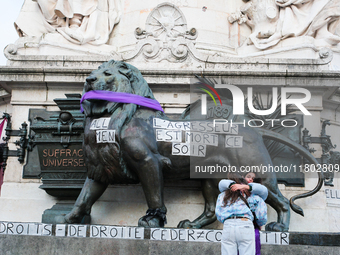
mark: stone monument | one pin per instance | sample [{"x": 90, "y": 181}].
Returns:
[{"x": 242, "y": 43}]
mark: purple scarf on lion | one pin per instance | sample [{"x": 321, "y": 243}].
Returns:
[{"x": 120, "y": 97}]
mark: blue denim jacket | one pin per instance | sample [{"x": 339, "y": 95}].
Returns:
[{"x": 239, "y": 208}]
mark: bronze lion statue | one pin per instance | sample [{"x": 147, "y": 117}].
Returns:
[{"x": 135, "y": 156}]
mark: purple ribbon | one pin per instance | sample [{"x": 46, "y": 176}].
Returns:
[
  {"x": 120, "y": 97},
  {"x": 257, "y": 242}
]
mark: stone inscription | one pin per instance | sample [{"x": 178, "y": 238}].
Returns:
[{"x": 54, "y": 156}]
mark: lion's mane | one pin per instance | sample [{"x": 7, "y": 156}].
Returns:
[
  {"x": 122, "y": 113},
  {"x": 106, "y": 163}
]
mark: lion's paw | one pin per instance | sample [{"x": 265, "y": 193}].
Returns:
[
  {"x": 184, "y": 224},
  {"x": 187, "y": 224},
  {"x": 276, "y": 226},
  {"x": 151, "y": 222},
  {"x": 72, "y": 218},
  {"x": 154, "y": 218}
]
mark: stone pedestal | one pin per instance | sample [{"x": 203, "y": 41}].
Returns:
[{"x": 169, "y": 43}]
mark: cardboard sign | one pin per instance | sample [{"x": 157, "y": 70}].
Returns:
[
  {"x": 189, "y": 235},
  {"x": 233, "y": 141},
  {"x": 189, "y": 149},
  {"x": 101, "y": 123},
  {"x": 105, "y": 136},
  {"x": 169, "y": 135},
  {"x": 201, "y": 138}
]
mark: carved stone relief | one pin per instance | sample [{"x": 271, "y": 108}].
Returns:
[
  {"x": 80, "y": 22},
  {"x": 166, "y": 36},
  {"x": 288, "y": 29},
  {"x": 274, "y": 20}
]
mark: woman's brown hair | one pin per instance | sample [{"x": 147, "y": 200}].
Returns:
[{"x": 230, "y": 197}]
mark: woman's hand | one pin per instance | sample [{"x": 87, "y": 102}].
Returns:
[{"x": 240, "y": 187}]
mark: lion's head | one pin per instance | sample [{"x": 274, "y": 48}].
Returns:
[{"x": 115, "y": 76}]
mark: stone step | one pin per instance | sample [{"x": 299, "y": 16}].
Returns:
[
  {"x": 40, "y": 238},
  {"x": 53, "y": 245}
]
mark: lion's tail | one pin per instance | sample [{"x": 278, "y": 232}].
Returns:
[{"x": 305, "y": 153}]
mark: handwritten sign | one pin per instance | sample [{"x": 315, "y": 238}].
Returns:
[
  {"x": 105, "y": 136},
  {"x": 333, "y": 197},
  {"x": 116, "y": 232},
  {"x": 169, "y": 135},
  {"x": 76, "y": 230},
  {"x": 101, "y": 123},
  {"x": 195, "y": 235},
  {"x": 120, "y": 232},
  {"x": 189, "y": 149},
  {"x": 171, "y": 125},
  {"x": 224, "y": 128},
  {"x": 233, "y": 141},
  {"x": 201, "y": 138},
  {"x": 197, "y": 135},
  {"x": 276, "y": 238},
  {"x": 196, "y": 126},
  {"x": 35, "y": 229},
  {"x": 60, "y": 230}
]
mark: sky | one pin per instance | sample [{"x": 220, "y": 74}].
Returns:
[{"x": 9, "y": 10}]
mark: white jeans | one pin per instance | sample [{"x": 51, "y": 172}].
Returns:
[{"x": 238, "y": 235}]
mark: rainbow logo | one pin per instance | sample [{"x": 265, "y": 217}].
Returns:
[
  {"x": 210, "y": 94},
  {"x": 204, "y": 81}
]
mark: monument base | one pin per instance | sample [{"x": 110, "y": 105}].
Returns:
[{"x": 15, "y": 244}]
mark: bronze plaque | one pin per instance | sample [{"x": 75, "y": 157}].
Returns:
[{"x": 55, "y": 157}]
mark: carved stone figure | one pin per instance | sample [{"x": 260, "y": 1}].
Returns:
[
  {"x": 136, "y": 156},
  {"x": 80, "y": 22},
  {"x": 274, "y": 20},
  {"x": 260, "y": 15}
]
